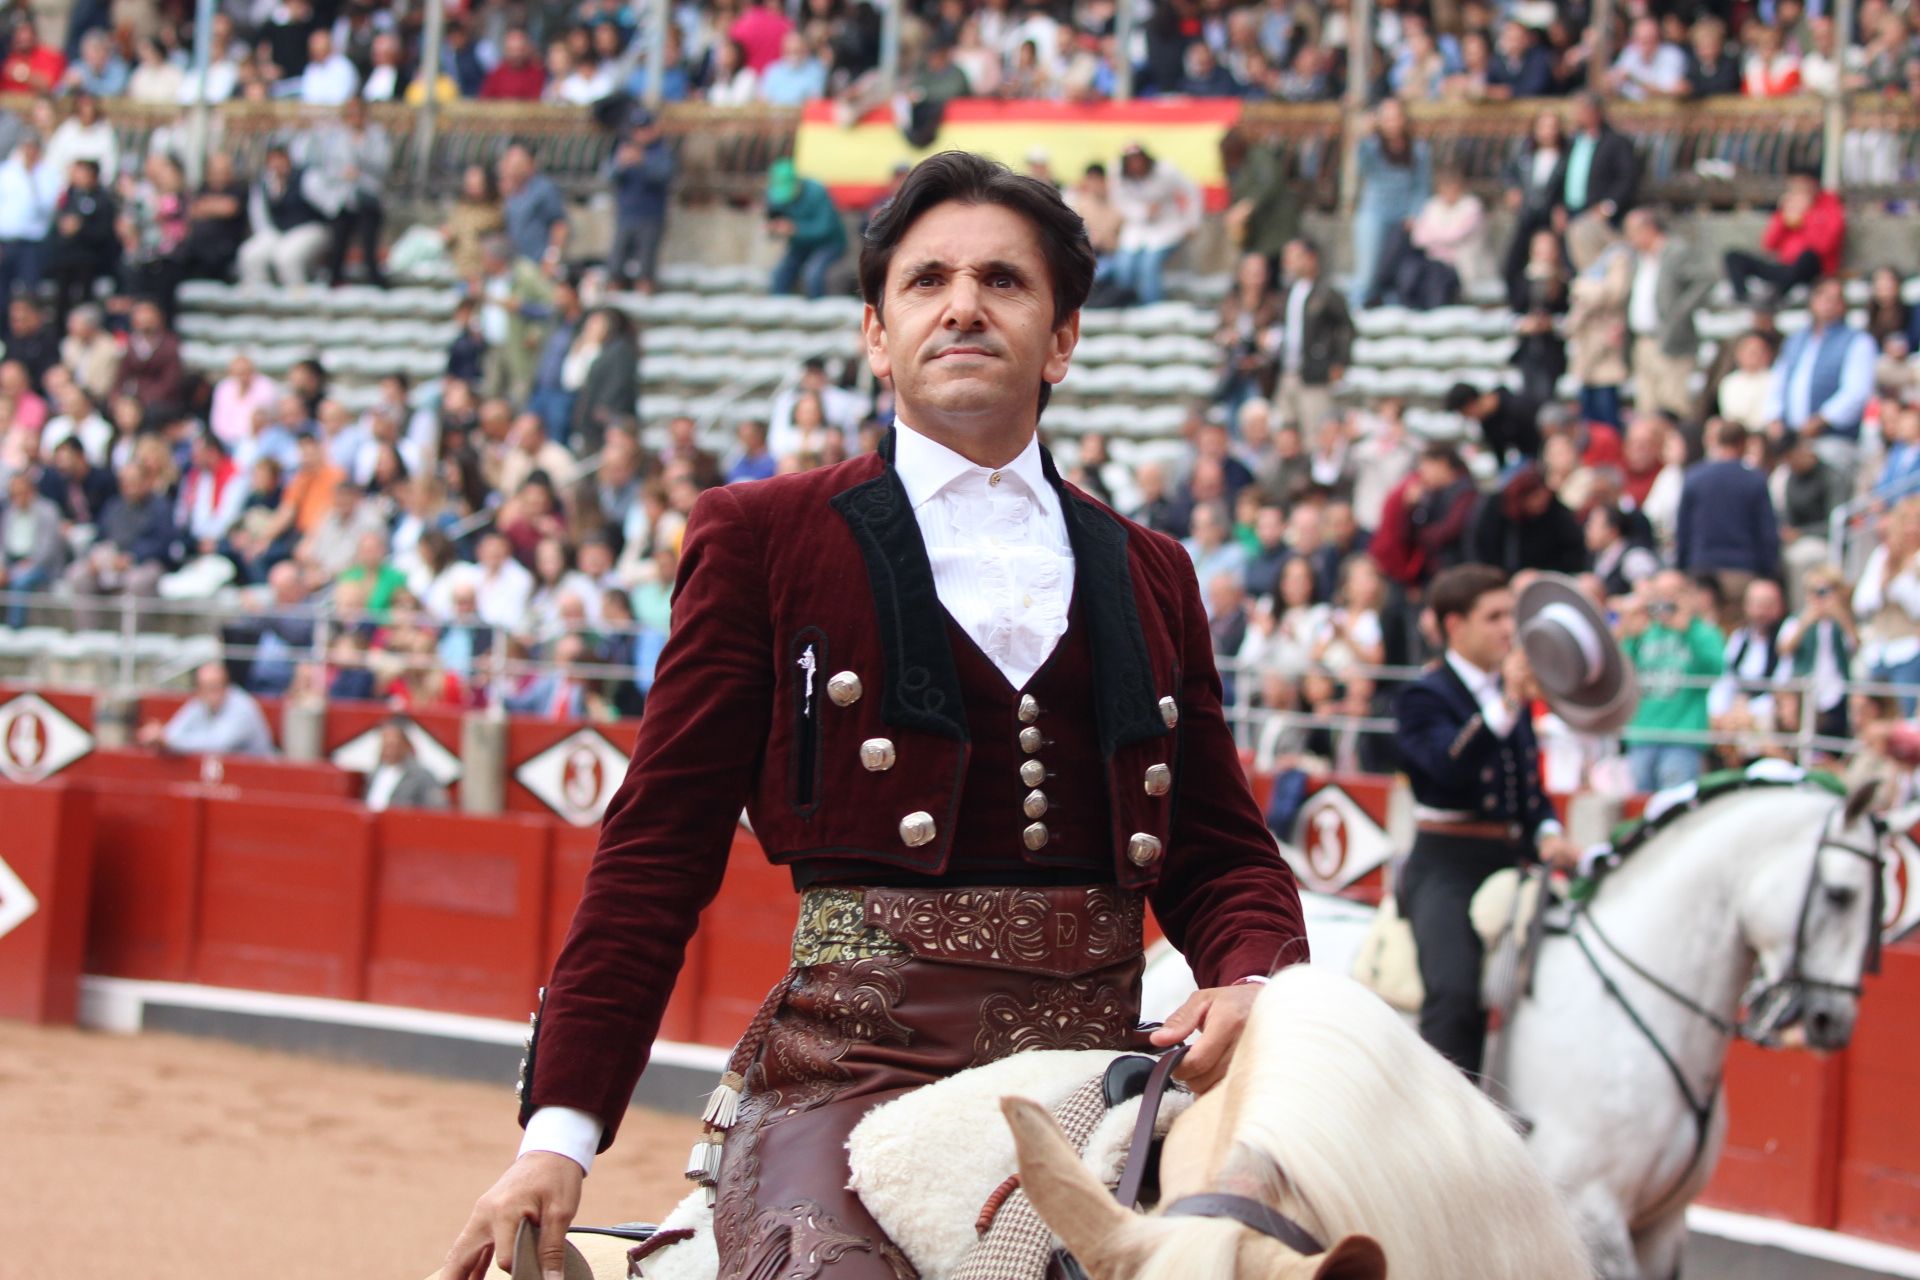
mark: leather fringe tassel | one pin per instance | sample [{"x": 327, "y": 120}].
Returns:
[{"x": 723, "y": 1106}]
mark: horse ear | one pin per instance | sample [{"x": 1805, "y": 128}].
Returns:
[
  {"x": 1858, "y": 802},
  {"x": 1356, "y": 1257},
  {"x": 1069, "y": 1198}
]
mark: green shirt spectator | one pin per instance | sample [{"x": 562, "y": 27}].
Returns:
[{"x": 1676, "y": 654}]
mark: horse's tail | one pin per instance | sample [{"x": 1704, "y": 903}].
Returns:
[{"x": 1195, "y": 1247}]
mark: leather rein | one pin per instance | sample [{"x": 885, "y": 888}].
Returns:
[{"x": 1245, "y": 1210}]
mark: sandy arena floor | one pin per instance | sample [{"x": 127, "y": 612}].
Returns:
[{"x": 170, "y": 1158}]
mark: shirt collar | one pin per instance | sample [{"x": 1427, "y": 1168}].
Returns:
[
  {"x": 1473, "y": 677},
  {"x": 926, "y": 468}
]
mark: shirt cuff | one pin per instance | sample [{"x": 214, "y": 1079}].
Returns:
[
  {"x": 1253, "y": 979},
  {"x": 1547, "y": 827},
  {"x": 564, "y": 1131},
  {"x": 1499, "y": 719}
]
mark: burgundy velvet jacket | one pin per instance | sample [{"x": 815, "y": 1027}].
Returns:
[{"x": 833, "y": 560}]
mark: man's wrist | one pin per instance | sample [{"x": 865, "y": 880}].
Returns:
[{"x": 564, "y": 1131}]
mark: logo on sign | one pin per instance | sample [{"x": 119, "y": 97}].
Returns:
[
  {"x": 576, "y": 776},
  {"x": 38, "y": 740},
  {"x": 1336, "y": 842}
]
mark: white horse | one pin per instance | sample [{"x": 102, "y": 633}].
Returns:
[
  {"x": 1333, "y": 1120},
  {"x": 1764, "y": 898}
]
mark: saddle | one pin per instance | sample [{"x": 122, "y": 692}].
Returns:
[{"x": 1511, "y": 912}]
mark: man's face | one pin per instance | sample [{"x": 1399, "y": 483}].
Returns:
[
  {"x": 1484, "y": 634},
  {"x": 1828, "y": 303},
  {"x": 968, "y": 333},
  {"x": 210, "y": 684},
  {"x": 1305, "y": 529},
  {"x": 20, "y": 490},
  {"x": 1270, "y": 527},
  {"x": 492, "y": 552},
  {"x": 1763, "y": 606},
  {"x": 1646, "y": 36}
]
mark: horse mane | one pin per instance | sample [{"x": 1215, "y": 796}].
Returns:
[{"x": 1365, "y": 1129}]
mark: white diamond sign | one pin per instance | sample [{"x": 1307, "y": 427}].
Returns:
[
  {"x": 16, "y": 900},
  {"x": 1335, "y": 842},
  {"x": 576, "y": 776},
  {"x": 361, "y": 754},
  {"x": 38, "y": 740}
]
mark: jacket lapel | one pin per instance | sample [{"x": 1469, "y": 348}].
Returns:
[
  {"x": 1126, "y": 702},
  {"x": 922, "y": 688}
]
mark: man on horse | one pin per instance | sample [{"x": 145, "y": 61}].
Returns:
[
  {"x": 975, "y": 713},
  {"x": 1467, "y": 745}
]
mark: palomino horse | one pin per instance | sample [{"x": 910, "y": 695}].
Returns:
[
  {"x": 1334, "y": 1122},
  {"x": 1764, "y": 898}
]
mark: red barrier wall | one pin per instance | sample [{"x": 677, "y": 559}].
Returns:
[
  {"x": 234, "y": 775},
  {"x": 146, "y": 885},
  {"x": 1878, "y": 1179},
  {"x": 49, "y": 851}
]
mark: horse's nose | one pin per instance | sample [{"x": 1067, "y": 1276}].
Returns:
[
  {"x": 1820, "y": 1026},
  {"x": 1828, "y": 1028}
]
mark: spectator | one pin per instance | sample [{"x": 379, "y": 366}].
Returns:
[
  {"x": 31, "y": 67},
  {"x": 212, "y": 495},
  {"x": 1810, "y": 492},
  {"x": 553, "y": 393},
  {"x": 1669, "y": 283},
  {"x": 1676, "y": 653},
  {"x": 217, "y": 219},
  {"x": 762, "y": 31},
  {"x": 518, "y": 77},
  {"x": 1742, "y": 395},
  {"x": 1424, "y": 523},
  {"x": 730, "y": 82},
  {"x": 133, "y": 550},
  {"x": 1213, "y": 549},
  {"x": 1818, "y": 645},
  {"x": 1394, "y": 173},
  {"x": 32, "y": 550},
  {"x": 241, "y": 394},
  {"x": 1599, "y": 172},
  {"x": 399, "y": 780},
  {"x": 79, "y": 420},
  {"x": 1886, "y": 600},
  {"x": 1900, "y": 473},
  {"x": 1620, "y": 563},
  {"x": 217, "y": 720},
  {"x": 352, "y": 161},
  {"x": 1648, "y": 67},
  {"x": 1752, "y": 663},
  {"x": 31, "y": 340},
  {"x": 1316, "y": 341},
  {"x": 1804, "y": 236},
  {"x": 800, "y": 211},
  {"x": 388, "y": 76},
  {"x": 796, "y": 77},
  {"x": 1520, "y": 67},
  {"x": 1887, "y": 312},
  {"x": 1597, "y": 317},
  {"x": 154, "y": 81},
  {"x": 85, "y": 135},
  {"x": 1159, "y": 208},
  {"x": 1264, "y": 207},
  {"x": 1823, "y": 381},
  {"x": 536, "y": 215},
  {"x": 78, "y": 489},
  {"x": 643, "y": 170},
  {"x": 840, "y": 411},
  {"x": 1382, "y": 456},
  {"x": 565, "y": 692},
  {"x": 1711, "y": 71},
  {"x": 1727, "y": 526},
  {"x": 1524, "y": 525},
  {"x": 1541, "y": 352},
  {"x": 289, "y": 232},
  {"x": 84, "y": 246},
  {"x": 1510, "y": 422},
  {"x": 1089, "y": 199},
  {"x": 515, "y": 299},
  {"x": 751, "y": 460},
  {"x": 1248, "y": 336},
  {"x": 223, "y": 68},
  {"x": 30, "y": 190},
  {"x": 1768, "y": 71},
  {"x": 609, "y": 391},
  {"x": 151, "y": 371},
  {"x": 501, "y": 585},
  {"x": 575, "y": 79},
  {"x": 1350, "y": 634},
  {"x": 373, "y": 570},
  {"x": 1451, "y": 229},
  {"x": 328, "y": 79}
]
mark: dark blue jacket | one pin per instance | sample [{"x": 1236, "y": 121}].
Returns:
[
  {"x": 640, "y": 190},
  {"x": 1454, "y": 762},
  {"x": 1727, "y": 520}
]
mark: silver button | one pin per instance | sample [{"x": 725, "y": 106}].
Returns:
[
  {"x": 1035, "y": 805},
  {"x": 844, "y": 689},
  {"x": 1143, "y": 850},
  {"x": 1170, "y": 712},
  {"x": 1035, "y": 836},
  {"x": 1159, "y": 779},
  {"x": 877, "y": 755},
  {"x": 1029, "y": 708},
  {"x": 1033, "y": 773},
  {"x": 1031, "y": 740},
  {"x": 917, "y": 829}
]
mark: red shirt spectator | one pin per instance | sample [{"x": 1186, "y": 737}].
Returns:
[
  {"x": 31, "y": 67},
  {"x": 1819, "y": 225},
  {"x": 520, "y": 77},
  {"x": 761, "y": 30}
]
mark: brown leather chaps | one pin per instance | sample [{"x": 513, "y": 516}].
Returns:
[{"x": 892, "y": 989}]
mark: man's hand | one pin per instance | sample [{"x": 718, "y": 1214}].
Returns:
[
  {"x": 1218, "y": 1014},
  {"x": 1559, "y": 852},
  {"x": 542, "y": 1186}
]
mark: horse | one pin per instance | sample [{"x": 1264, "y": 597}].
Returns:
[
  {"x": 1767, "y": 898},
  {"x": 1332, "y": 1118}
]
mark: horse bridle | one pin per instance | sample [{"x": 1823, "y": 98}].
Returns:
[{"x": 1768, "y": 1007}]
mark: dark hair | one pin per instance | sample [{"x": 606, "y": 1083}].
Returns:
[
  {"x": 1728, "y": 434},
  {"x": 1459, "y": 396},
  {"x": 1438, "y": 452},
  {"x": 1457, "y": 590},
  {"x": 974, "y": 179}
]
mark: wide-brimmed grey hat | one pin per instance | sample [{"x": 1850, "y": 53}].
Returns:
[
  {"x": 526, "y": 1255},
  {"x": 1582, "y": 673}
]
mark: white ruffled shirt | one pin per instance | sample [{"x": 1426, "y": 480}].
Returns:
[
  {"x": 1002, "y": 565},
  {"x": 997, "y": 539}
]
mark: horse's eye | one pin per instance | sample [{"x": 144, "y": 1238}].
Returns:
[{"x": 1840, "y": 897}]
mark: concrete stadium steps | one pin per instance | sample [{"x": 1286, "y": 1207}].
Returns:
[{"x": 54, "y": 656}]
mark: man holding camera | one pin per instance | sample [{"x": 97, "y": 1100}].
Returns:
[{"x": 1676, "y": 652}]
